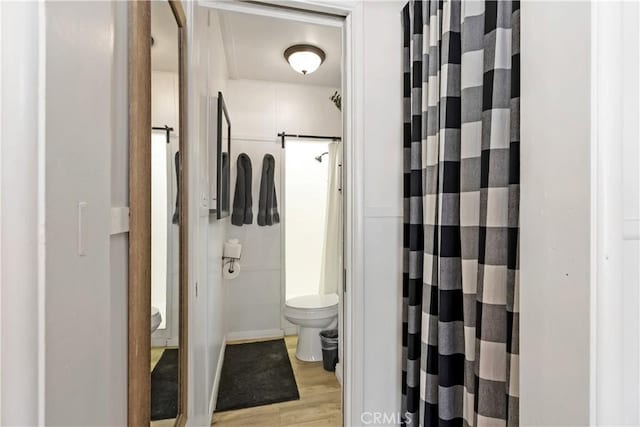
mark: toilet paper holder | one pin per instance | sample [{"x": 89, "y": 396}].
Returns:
[
  {"x": 231, "y": 252},
  {"x": 230, "y": 261}
]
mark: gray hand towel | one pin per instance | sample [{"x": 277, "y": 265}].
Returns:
[
  {"x": 268, "y": 204},
  {"x": 242, "y": 202},
  {"x": 176, "y": 213}
]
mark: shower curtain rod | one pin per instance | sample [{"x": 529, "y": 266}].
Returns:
[
  {"x": 284, "y": 135},
  {"x": 164, "y": 128}
]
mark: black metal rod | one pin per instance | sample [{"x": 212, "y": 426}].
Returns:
[
  {"x": 291, "y": 135},
  {"x": 166, "y": 129}
]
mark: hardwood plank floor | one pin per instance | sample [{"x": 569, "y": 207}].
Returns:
[
  {"x": 164, "y": 423},
  {"x": 320, "y": 403},
  {"x": 156, "y": 354}
]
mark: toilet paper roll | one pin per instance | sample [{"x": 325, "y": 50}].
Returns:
[{"x": 231, "y": 270}]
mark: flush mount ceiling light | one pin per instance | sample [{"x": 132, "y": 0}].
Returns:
[{"x": 304, "y": 58}]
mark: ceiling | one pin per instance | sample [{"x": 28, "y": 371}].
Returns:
[
  {"x": 164, "y": 30},
  {"x": 254, "y": 47}
]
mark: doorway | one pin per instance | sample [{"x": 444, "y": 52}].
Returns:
[{"x": 250, "y": 309}]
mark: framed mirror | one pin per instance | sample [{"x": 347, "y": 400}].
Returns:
[
  {"x": 158, "y": 214},
  {"x": 223, "y": 166}
]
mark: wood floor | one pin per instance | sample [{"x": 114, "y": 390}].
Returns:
[
  {"x": 156, "y": 354},
  {"x": 164, "y": 423},
  {"x": 319, "y": 404}
]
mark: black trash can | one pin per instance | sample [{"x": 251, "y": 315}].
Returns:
[{"x": 329, "y": 341}]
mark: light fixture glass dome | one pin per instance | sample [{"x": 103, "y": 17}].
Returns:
[{"x": 303, "y": 58}]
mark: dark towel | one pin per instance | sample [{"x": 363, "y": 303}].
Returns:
[
  {"x": 242, "y": 202},
  {"x": 268, "y": 204},
  {"x": 176, "y": 213},
  {"x": 225, "y": 188}
]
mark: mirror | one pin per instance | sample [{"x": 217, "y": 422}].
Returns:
[
  {"x": 165, "y": 155},
  {"x": 158, "y": 215},
  {"x": 223, "y": 169}
]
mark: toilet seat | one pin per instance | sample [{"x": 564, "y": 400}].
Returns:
[
  {"x": 312, "y": 306},
  {"x": 313, "y": 301}
]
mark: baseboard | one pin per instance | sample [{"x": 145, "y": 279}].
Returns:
[
  {"x": 250, "y": 335},
  {"x": 339, "y": 372},
  {"x": 216, "y": 380},
  {"x": 164, "y": 342},
  {"x": 290, "y": 330},
  {"x": 196, "y": 422}
]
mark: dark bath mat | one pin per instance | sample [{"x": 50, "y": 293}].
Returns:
[
  {"x": 164, "y": 386},
  {"x": 256, "y": 374}
]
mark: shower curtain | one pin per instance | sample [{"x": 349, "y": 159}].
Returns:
[
  {"x": 332, "y": 248},
  {"x": 461, "y": 201}
]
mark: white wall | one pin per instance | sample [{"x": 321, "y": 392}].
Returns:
[
  {"x": 259, "y": 110},
  {"x": 20, "y": 205},
  {"x": 119, "y": 243},
  {"x": 629, "y": 369},
  {"x": 554, "y": 214},
  {"x": 263, "y": 109},
  {"x": 165, "y": 107},
  {"x": 85, "y": 311},
  {"x": 207, "y": 75},
  {"x": 252, "y": 300},
  {"x": 383, "y": 203},
  {"x": 79, "y": 135},
  {"x": 616, "y": 215}
]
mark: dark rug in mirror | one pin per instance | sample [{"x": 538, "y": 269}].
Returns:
[
  {"x": 256, "y": 374},
  {"x": 164, "y": 386}
]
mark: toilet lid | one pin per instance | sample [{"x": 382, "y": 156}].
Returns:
[{"x": 313, "y": 301}]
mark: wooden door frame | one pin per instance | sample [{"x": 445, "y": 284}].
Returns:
[{"x": 139, "y": 293}]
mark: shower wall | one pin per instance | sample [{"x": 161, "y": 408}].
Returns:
[{"x": 259, "y": 110}]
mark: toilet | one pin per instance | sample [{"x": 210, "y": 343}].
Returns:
[
  {"x": 312, "y": 314},
  {"x": 156, "y": 318}
]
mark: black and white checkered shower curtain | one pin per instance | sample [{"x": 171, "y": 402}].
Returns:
[{"x": 461, "y": 201}]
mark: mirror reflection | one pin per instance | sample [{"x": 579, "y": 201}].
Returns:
[{"x": 165, "y": 220}]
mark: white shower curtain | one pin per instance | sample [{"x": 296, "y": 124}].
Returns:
[
  {"x": 161, "y": 241},
  {"x": 332, "y": 248}
]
